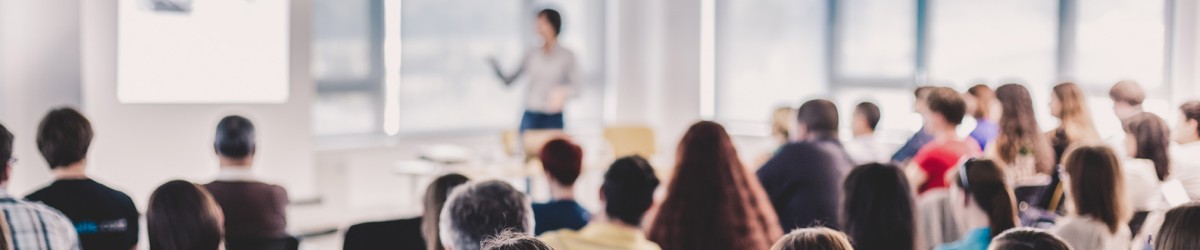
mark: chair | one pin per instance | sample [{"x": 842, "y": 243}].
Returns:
[
  {"x": 530, "y": 142},
  {"x": 286, "y": 243},
  {"x": 393, "y": 234},
  {"x": 631, "y": 140}
]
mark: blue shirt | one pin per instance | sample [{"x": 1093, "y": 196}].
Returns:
[
  {"x": 977, "y": 239},
  {"x": 913, "y": 145},
  {"x": 555, "y": 215},
  {"x": 984, "y": 132}
]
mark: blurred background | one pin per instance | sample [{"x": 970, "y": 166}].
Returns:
[{"x": 360, "y": 103}]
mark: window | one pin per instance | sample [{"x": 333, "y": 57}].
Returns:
[
  {"x": 768, "y": 54},
  {"x": 876, "y": 41},
  {"x": 345, "y": 65},
  {"x": 996, "y": 42},
  {"x": 1121, "y": 40}
]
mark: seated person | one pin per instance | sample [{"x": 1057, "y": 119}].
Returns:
[
  {"x": 814, "y": 238},
  {"x": 255, "y": 212},
  {"x": 103, "y": 217},
  {"x": 509, "y": 240},
  {"x": 183, "y": 216},
  {"x": 1180, "y": 228},
  {"x": 478, "y": 211},
  {"x": 865, "y": 147},
  {"x": 52, "y": 226},
  {"x": 420, "y": 232},
  {"x": 627, "y": 193},
  {"x": 918, "y": 139},
  {"x": 929, "y": 167},
  {"x": 562, "y": 161},
  {"x": 804, "y": 181}
]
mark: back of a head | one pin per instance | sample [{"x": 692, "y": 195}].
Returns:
[
  {"x": 781, "y": 121},
  {"x": 711, "y": 190},
  {"x": 1028, "y": 239},
  {"x": 948, "y": 103},
  {"x": 819, "y": 116},
  {"x": 1128, "y": 92},
  {"x": 235, "y": 137},
  {"x": 183, "y": 216},
  {"x": 64, "y": 137},
  {"x": 813, "y": 238},
  {"x": 510, "y": 240},
  {"x": 984, "y": 181},
  {"x": 562, "y": 160},
  {"x": 879, "y": 211},
  {"x": 476, "y": 211},
  {"x": 870, "y": 112},
  {"x": 1191, "y": 111},
  {"x": 1180, "y": 228},
  {"x": 1019, "y": 131},
  {"x": 1074, "y": 113},
  {"x": 6, "y": 152},
  {"x": 983, "y": 100},
  {"x": 435, "y": 197},
  {"x": 628, "y": 189},
  {"x": 1096, "y": 184},
  {"x": 1153, "y": 139}
]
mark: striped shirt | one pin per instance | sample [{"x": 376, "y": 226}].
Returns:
[{"x": 36, "y": 226}]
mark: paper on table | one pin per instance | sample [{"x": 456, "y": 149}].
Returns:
[{"x": 1174, "y": 192}]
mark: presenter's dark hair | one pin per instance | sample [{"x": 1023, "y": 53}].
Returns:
[
  {"x": 235, "y": 137},
  {"x": 182, "y": 215},
  {"x": 554, "y": 18},
  {"x": 64, "y": 137},
  {"x": 628, "y": 189},
  {"x": 879, "y": 211},
  {"x": 6, "y": 150}
]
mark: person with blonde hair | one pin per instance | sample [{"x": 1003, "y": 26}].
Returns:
[
  {"x": 814, "y": 238},
  {"x": 1069, "y": 105}
]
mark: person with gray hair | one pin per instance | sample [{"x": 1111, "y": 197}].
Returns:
[{"x": 478, "y": 211}]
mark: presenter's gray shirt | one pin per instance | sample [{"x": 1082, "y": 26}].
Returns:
[{"x": 547, "y": 71}]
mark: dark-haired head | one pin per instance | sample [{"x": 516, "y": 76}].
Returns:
[
  {"x": 235, "y": 137},
  {"x": 6, "y": 152},
  {"x": 1028, "y": 239},
  {"x": 64, "y": 137},
  {"x": 1180, "y": 228},
  {"x": 817, "y": 118},
  {"x": 1151, "y": 139},
  {"x": 182, "y": 215},
  {"x": 1096, "y": 184},
  {"x": 984, "y": 96},
  {"x": 947, "y": 104},
  {"x": 813, "y": 238},
  {"x": 1189, "y": 129},
  {"x": 878, "y": 207},
  {"x": 435, "y": 197},
  {"x": 984, "y": 182},
  {"x": 709, "y": 195},
  {"x": 562, "y": 161},
  {"x": 512, "y": 240},
  {"x": 868, "y": 114},
  {"x": 552, "y": 18},
  {"x": 628, "y": 189},
  {"x": 1019, "y": 131}
]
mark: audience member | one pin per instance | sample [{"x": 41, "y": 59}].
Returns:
[
  {"x": 1026, "y": 238},
  {"x": 477, "y": 211},
  {"x": 1147, "y": 141},
  {"x": 257, "y": 211},
  {"x": 919, "y": 138},
  {"x": 1095, "y": 185},
  {"x": 1021, "y": 145},
  {"x": 781, "y": 124},
  {"x": 814, "y": 238},
  {"x": 103, "y": 217},
  {"x": 1127, "y": 97},
  {"x": 1187, "y": 133},
  {"x": 1069, "y": 104},
  {"x": 928, "y": 168},
  {"x": 989, "y": 208},
  {"x": 627, "y": 192},
  {"x": 879, "y": 208},
  {"x": 562, "y": 161},
  {"x": 984, "y": 111},
  {"x": 1180, "y": 228},
  {"x": 510, "y": 240},
  {"x": 864, "y": 147},
  {"x": 182, "y": 216},
  {"x": 26, "y": 224},
  {"x": 412, "y": 233},
  {"x": 712, "y": 202},
  {"x": 804, "y": 180}
]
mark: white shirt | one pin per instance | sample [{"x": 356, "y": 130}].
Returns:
[
  {"x": 1088, "y": 233},
  {"x": 1185, "y": 167},
  {"x": 1142, "y": 185},
  {"x": 865, "y": 149},
  {"x": 547, "y": 71},
  {"x": 236, "y": 174}
]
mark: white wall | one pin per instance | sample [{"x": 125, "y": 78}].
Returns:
[
  {"x": 139, "y": 146},
  {"x": 40, "y": 55}
]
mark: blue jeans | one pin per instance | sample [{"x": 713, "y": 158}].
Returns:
[{"x": 538, "y": 120}]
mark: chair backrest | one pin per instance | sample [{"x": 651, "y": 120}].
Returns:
[
  {"x": 631, "y": 140},
  {"x": 530, "y": 142}
]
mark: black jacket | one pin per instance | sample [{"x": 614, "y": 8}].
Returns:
[{"x": 804, "y": 182}]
